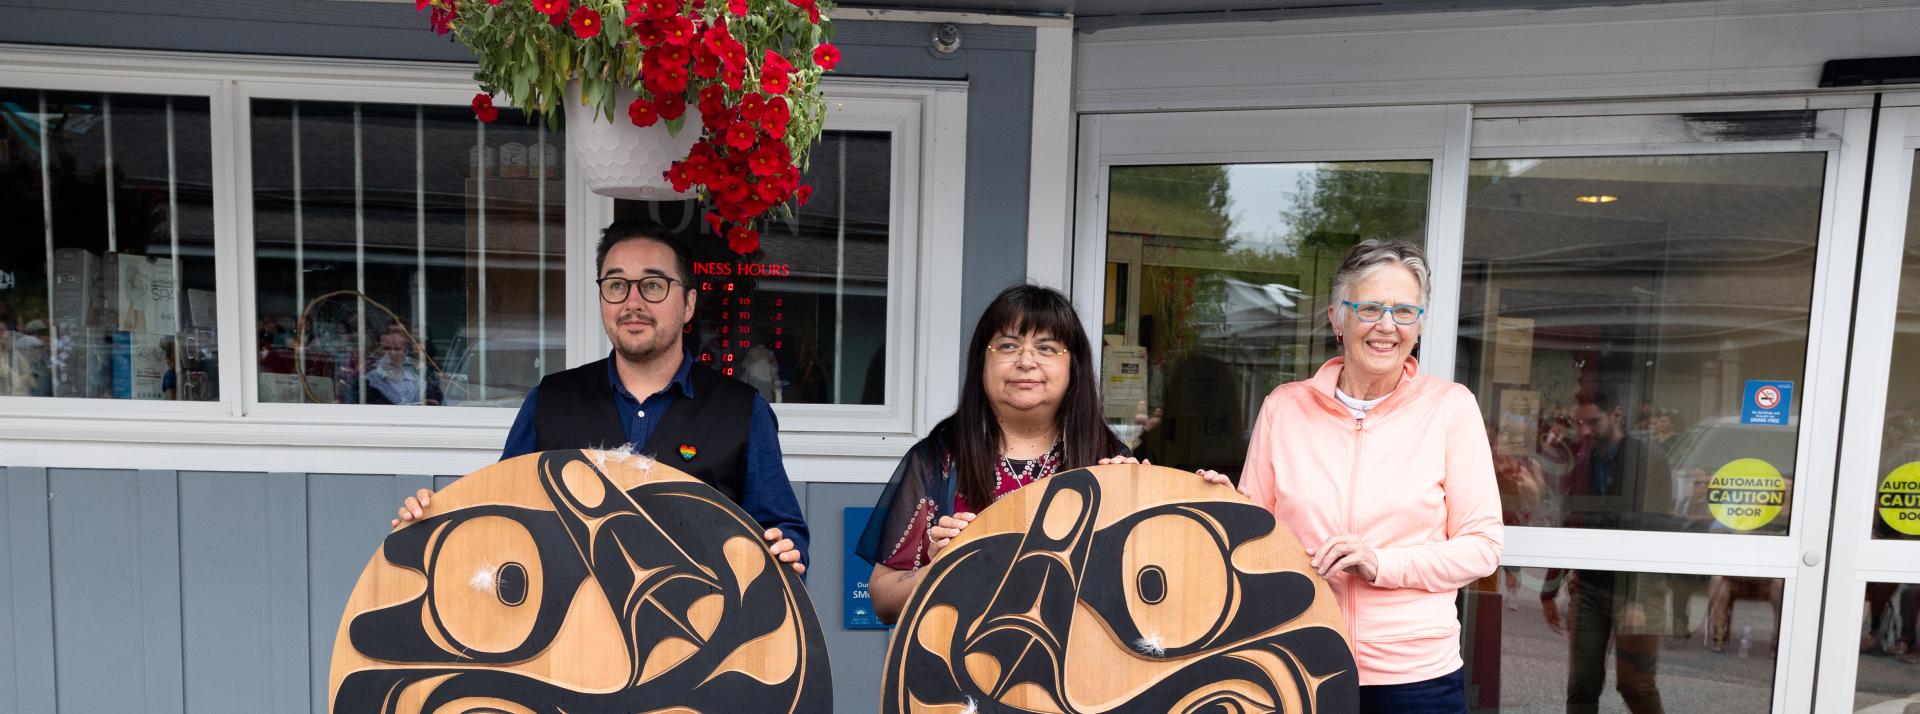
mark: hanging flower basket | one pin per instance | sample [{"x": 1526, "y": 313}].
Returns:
[
  {"x": 620, "y": 160},
  {"x": 722, "y": 97}
]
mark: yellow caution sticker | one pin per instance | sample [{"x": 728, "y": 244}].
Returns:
[
  {"x": 1899, "y": 499},
  {"x": 1746, "y": 494}
]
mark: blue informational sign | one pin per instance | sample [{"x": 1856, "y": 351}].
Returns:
[
  {"x": 857, "y": 605},
  {"x": 1767, "y": 402}
]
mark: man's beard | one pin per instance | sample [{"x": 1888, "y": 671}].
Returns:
[{"x": 641, "y": 349}]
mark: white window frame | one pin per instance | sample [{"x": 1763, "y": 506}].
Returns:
[
  {"x": 1436, "y": 133},
  {"x": 927, "y": 120}
]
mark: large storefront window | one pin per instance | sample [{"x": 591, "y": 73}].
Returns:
[
  {"x": 1217, "y": 284},
  {"x": 804, "y": 318},
  {"x": 106, "y": 267},
  {"x": 405, "y": 254},
  {"x": 1635, "y": 328}
]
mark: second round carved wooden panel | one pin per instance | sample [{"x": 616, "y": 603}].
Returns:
[
  {"x": 579, "y": 581},
  {"x": 1121, "y": 588}
]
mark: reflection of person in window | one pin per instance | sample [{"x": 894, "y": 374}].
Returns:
[
  {"x": 395, "y": 376},
  {"x": 1616, "y": 479},
  {"x": 760, "y": 371},
  {"x": 1203, "y": 426}
]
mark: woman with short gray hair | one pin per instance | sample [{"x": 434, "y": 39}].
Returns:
[{"x": 1386, "y": 476}]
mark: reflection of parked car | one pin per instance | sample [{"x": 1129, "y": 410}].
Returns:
[
  {"x": 1696, "y": 455},
  {"x": 1712, "y": 443}
]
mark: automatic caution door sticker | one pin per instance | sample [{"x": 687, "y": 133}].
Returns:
[
  {"x": 1899, "y": 499},
  {"x": 1747, "y": 494}
]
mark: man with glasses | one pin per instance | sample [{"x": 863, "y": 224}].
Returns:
[
  {"x": 649, "y": 393},
  {"x": 1618, "y": 481}
]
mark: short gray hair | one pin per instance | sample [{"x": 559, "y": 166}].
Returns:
[{"x": 1373, "y": 254}]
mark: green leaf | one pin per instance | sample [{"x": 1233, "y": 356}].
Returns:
[{"x": 675, "y": 124}]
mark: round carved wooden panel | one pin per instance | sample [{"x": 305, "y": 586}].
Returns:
[
  {"x": 1121, "y": 588},
  {"x": 579, "y": 581}
]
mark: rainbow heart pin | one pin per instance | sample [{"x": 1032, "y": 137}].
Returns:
[{"x": 687, "y": 452}]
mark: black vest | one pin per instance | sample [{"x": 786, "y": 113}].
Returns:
[{"x": 705, "y": 436}]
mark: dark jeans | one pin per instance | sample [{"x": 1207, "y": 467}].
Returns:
[
  {"x": 1445, "y": 694},
  {"x": 1595, "y": 609}
]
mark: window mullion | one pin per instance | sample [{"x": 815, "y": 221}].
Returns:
[
  {"x": 360, "y": 254},
  {"x": 106, "y": 133}
]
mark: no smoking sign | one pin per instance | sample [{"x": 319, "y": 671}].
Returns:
[{"x": 1767, "y": 402}]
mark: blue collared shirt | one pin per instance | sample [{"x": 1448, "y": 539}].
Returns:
[{"x": 765, "y": 494}]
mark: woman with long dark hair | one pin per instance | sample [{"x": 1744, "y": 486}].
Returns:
[{"x": 1030, "y": 408}]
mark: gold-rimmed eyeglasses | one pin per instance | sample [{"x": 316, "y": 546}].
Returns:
[{"x": 1011, "y": 351}]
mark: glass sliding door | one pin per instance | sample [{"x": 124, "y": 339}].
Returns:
[{"x": 1871, "y": 643}]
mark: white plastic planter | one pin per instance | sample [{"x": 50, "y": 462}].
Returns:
[{"x": 620, "y": 160}]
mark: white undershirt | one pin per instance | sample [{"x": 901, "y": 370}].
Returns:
[{"x": 1358, "y": 406}]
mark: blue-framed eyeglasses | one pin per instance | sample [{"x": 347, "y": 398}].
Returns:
[{"x": 1373, "y": 311}]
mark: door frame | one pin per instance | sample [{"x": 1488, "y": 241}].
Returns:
[
  {"x": 1855, "y": 558},
  {"x": 1444, "y": 134}
]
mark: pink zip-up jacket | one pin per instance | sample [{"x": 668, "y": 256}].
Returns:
[{"x": 1414, "y": 480}]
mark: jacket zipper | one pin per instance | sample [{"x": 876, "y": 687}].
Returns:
[{"x": 1353, "y": 487}]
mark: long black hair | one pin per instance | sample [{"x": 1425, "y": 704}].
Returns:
[{"x": 972, "y": 433}]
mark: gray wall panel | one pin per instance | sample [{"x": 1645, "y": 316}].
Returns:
[
  {"x": 159, "y": 549},
  {"x": 226, "y": 589},
  {"x": 857, "y": 655},
  {"x": 999, "y": 134},
  {"x": 30, "y": 591},
  {"x": 8, "y": 681},
  {"x": 287, "y": 595},
  {"x": 347, "y": 516},
  {"x": 99, "y": 655}
]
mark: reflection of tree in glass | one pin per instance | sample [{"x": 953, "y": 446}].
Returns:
[
  {"x": 1341, "y": 204},
  {"x": 1175, "y": 201}
]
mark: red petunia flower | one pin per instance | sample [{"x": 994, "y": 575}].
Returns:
[
  {"x": 812, "y": 8},
  {"x": 737, "y": 7},
  {"x": 643, "y": 113},
  {"x": 586, "y": 22},
  {"x": 493, "y": 2},
  {"x": 483, "y": 108},
  {"x": 752, "y": 106},
  {"x": 419, "y": 5},
  {"x": 714, "y": 220},
  {"x": 648, "y": 33},
  {"x": 804, "y": 193},
  {"x": 441, "y": 19},
  {"x": 671, "y": 106},
  {"x": 739, "y": 136},
  {"x": 559, "y": 18},
  {"x": 678, "y": 30},
  {"x": 733, "y": 78},
  {"x": 681, "y": 176},
  {"x": 743, "y": 241},
  {"x": 776, "y": 117},
  {"x": 775, "y": 74},
  {"x": 826, "y": 55},
  {"x": 551, "y": 7},
  {"x": 661, "y": 9},
  {"x": 770, "y": 159},
  {"x": 705, "y": 64}
]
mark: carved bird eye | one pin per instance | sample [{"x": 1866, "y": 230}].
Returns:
[{"x": 1151, "y": 583}]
